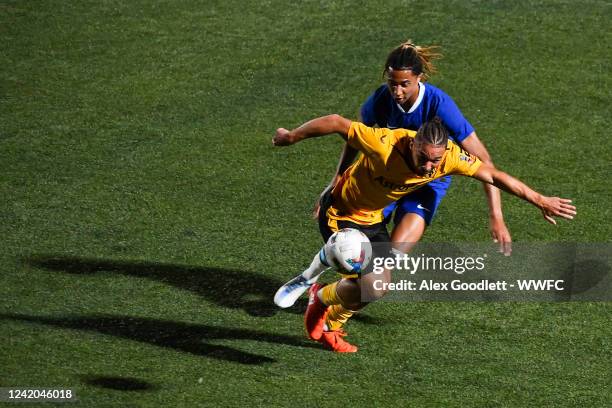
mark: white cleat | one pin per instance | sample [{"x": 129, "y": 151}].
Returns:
[{"x": 287, "y": 294}]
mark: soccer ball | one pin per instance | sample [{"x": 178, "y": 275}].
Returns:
[{"x": 349, "y": 250}]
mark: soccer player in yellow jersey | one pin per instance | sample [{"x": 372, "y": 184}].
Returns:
[{"x": 393, "y": 163}]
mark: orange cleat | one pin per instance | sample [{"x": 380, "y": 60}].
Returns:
[
  {"x": 333, "y": 340},
  {"x": 314, "y": 318}
]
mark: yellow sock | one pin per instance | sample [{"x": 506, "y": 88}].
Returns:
[
  {"x": 337, "y": 316},
  {"x": 329, "y": 296}
]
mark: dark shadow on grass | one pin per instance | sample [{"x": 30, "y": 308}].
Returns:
[
  {"x": 586, "y": 275},
  {"x": 185, "y": 337},
  {"x": 119, "y": 383},
  {"x": 230, "y": 288},
  {"x": 367, "y": 319}
]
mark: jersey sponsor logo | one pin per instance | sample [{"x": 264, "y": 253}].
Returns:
[{"x": 392, "y": 186}]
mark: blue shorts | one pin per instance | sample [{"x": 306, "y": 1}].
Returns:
[{"x": 424, "y": 201}]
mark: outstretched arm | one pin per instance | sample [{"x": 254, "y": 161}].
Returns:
[
  {"x": 322, "y": 126},
  {"x": 550, "y": 206},
  {"x": 498, "y": 228}
]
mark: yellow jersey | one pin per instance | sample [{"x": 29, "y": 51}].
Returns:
[{"x": 381, "y": 175}]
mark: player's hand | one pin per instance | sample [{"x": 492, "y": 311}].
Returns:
[
  {"x": 501, "y": 235},
  {"x": 557, "y": 207},
  {"x": 283, "y": 137}
]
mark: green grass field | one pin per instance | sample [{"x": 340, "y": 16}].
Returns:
[{"x": 146, "y": 220}]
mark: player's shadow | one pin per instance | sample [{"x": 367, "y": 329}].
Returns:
[
  {"x": 583, "y": 277},
  {"x": 229, "y": 288},
  {"x": 118, "y": 383},
  {"x": 186, "y": 337}
]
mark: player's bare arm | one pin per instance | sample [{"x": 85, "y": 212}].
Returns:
[
  {"x": 550, "y": 206},
  {"x": 325, "y": 125},
  {"x": 498, "y": 228}
]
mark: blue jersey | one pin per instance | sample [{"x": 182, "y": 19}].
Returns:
[{"x": 380, "y": 109}]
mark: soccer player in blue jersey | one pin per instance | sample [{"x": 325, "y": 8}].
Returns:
[{"x": 407, "y": 101}]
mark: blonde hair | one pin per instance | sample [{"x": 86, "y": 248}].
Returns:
[{"x": 419, "y": 60}]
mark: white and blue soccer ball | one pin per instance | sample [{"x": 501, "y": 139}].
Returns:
[{"x": 349, "y": 250}]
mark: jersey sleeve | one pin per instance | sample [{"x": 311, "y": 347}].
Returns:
[
  {"x": 373, "y": 109},
  {"x": 453, "y": 119},
  {"x": 460, "y": 162}
]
